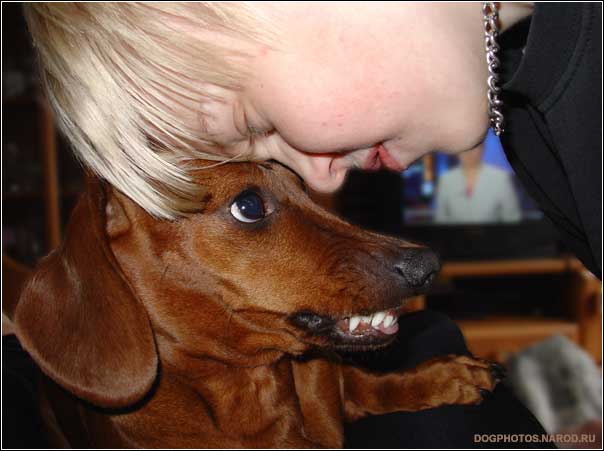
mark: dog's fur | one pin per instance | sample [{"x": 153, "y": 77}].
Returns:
[{"x": 188, "y": 333}]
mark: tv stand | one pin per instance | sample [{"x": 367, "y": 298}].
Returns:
[{"x": 495, "y": 336}]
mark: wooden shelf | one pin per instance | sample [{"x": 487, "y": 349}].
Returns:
[
  {"x": 507, "y": 267},
  {"x": 509, "y": 326},
  {"x": 497, "y": 337}
]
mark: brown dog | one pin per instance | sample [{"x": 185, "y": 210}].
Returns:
[{"x": 185, "y": 333}]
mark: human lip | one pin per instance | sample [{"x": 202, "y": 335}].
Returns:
[
  {"x": 379, "y": 157},
  {"x": 373, "y": 162}
]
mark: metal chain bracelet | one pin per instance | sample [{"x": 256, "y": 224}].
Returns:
[{"x": 491, "y": 33}]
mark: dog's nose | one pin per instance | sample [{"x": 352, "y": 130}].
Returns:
[{"x": 418, "y": 266}]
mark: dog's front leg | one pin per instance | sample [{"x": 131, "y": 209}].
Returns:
[{"x": 444, "y": 380}]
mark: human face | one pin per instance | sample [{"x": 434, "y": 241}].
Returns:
[{"x": 362, "y": 85}]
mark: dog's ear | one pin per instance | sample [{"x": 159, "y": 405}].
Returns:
[{"x": 80, "y": 320}]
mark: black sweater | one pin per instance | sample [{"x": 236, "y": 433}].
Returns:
[{"x": 552, "y": 83}]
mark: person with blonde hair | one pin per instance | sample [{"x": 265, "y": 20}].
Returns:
[{"x": 141, "y": 89}]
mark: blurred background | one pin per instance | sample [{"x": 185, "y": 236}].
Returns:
[{"x": 518, "y": 296}]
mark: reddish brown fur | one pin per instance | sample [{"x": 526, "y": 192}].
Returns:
[{"x": 177, "y": 333}]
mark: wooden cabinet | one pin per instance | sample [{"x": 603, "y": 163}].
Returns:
[{"x": 495, "y": 336}]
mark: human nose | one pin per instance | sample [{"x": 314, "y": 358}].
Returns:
[{"x": 322, "y": 173}]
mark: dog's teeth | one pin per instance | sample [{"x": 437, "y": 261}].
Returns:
[
  {"x": 353, "y": 323},
  {"x": 388, "y": 320},
  {"x": 366, "y": 319},
  {"x": 395, "y": 320},
  {"x": 377, "y": 318}
]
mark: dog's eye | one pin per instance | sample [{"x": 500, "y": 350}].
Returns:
[{"x": 248, "y": 207}]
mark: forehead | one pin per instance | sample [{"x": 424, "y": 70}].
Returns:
[
  {"x": 332, "y": 82},
  {"x": 314, "y": 108}
]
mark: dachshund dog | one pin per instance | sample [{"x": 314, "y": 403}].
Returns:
[{"x": 196, "y": 332}]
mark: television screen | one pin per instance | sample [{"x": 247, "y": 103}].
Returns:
[
  {"x": 476, "y": 187},
  {"x": 465, "y": 207}
]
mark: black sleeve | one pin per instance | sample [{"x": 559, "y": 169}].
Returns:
[{"x": 553, "y": 136}]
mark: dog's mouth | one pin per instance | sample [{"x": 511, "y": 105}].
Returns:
[
  {"x": 354, "y": 332},
  {"x": 379, "y": 325}
]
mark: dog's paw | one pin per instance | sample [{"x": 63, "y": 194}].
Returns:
[{"x": 464, "y": 379}]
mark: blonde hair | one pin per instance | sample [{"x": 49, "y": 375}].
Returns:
[{"x": 119, "y": 76}]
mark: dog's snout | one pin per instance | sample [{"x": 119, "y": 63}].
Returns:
[{"x": 418, "y": 266}]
